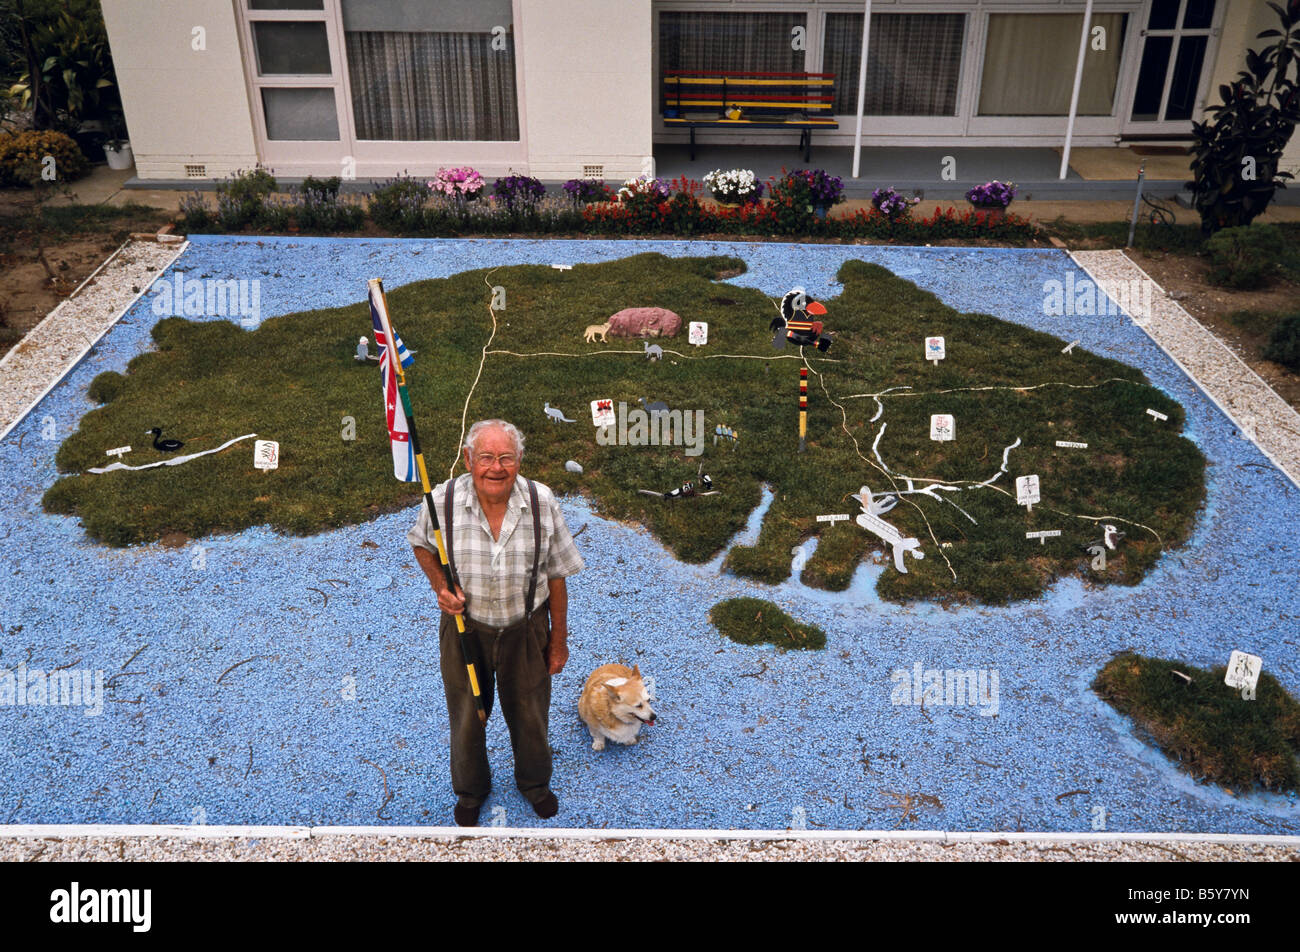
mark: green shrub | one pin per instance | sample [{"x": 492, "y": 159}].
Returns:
[
  {"x": 23, "y": 154},
  {"x": 398, "y": 205},
  {"x": 321, "y": 186},
  {"x": 1244, "y": 257},
  {"x": 1284, "y": 343},
  {"x": 316, "y": 207},
  {"x": 1237, "y": 150},
  {"x": 241, "y": 199},
  {"x": 195, "y": 214}
]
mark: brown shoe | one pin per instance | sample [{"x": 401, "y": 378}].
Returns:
[
  {"x": 465, "y": 816},
  {"x": 547, "y": 807}
]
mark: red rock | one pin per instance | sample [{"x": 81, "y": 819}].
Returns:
[{"x": 645, "y": 322}]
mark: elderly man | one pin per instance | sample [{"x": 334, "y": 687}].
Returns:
[{"x": 509, "y": 551}]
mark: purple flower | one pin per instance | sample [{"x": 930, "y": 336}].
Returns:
[{"x": 993, "y": 194}]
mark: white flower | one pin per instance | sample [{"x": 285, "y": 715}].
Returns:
[{"x": 739, "y": 182}]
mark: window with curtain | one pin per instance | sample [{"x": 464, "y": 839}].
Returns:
[
  {"x": 422, "y": 71},
  {"x": 1029, "y": 63},
  {"x": 912, "y": 67},
  {"x": 730, "y": 42}
]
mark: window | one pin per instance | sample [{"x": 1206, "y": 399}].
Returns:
[
  {"x": 730, "y": 42},
  {"x": 912, "y": 67},
  {"x": 431, "y": 71},
  {"x": 1026, "y": 72}
]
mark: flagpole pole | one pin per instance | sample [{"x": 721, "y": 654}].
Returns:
[{"x": 390, "y": 339}]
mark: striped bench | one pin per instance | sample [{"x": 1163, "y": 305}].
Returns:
[{"x": 803, "y": 101}]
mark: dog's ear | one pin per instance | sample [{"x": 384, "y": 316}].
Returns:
[
  {"x": 636, "y": 670},
  {"x": 613, "y": 691}
]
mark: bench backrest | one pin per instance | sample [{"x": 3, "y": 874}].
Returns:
[{"x": 755, "y": 93}]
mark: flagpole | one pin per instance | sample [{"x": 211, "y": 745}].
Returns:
[{"x": 390, "y": 340}]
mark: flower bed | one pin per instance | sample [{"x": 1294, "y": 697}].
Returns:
[{"x": 797, "y": 207}]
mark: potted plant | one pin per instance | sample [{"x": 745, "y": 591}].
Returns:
[
  {"x": 733, "y": 187},
  {"x": 461, "y": 183},
  {"x": 891, "y": 204},
  {"x": 993, "y": 197},
  {"x": 117, "y": 148},
  {"x": 809, "y": 190}
]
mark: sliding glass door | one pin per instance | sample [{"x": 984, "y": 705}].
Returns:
[{"x": 1177, "y": 46}]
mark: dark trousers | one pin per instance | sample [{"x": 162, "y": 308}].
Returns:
[{"x": 513, "y": 660}]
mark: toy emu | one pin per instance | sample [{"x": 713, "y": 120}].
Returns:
[{"x": 796, "y": 323}]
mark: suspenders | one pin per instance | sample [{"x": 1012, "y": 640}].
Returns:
[{"x": 537, "y": 538}]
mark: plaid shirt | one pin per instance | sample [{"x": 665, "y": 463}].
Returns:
[{"x": 494, "y": 574}]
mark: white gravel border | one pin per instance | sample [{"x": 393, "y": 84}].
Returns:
[
  {"x": 1259, "y": 413},
  {"x": 35, "y": 365},
  {"x": 288, "y": 843}
]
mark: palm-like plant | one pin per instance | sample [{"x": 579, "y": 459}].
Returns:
[{"x": 1236, "y": 150}]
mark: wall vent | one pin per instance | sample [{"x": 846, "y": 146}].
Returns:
[
  {"x": 593, "y": 171},
  {"x": 196, "y": 171}
]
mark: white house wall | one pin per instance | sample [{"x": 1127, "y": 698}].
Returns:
[
  {"x": 183, "y": 106},
  {"x": 588, "y": 87}
]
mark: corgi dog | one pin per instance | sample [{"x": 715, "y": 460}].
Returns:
[{"x": 614, "y": 704}]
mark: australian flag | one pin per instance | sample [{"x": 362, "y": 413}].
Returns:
[{"x": 398, "y": 432}]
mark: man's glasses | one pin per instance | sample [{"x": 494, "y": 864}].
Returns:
[{"x": 505, "y": 459}]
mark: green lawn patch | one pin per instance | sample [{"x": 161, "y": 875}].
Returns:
[
  {"x": 294, "y": 380},
  {"x": 755, "y": 621},
  {"x": 1205, "y": 726}
]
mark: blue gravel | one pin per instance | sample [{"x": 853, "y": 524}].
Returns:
[{"x": 749, "y": 737}]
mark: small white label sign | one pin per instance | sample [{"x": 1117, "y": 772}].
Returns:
[
  {"x": 1069, "y": 348},
  {"x": 602, "y": 413},
  {"x": 1026, "y": 490},
  {"x": 266, "y": 454},
  {"x": 1042, "y": 535},
  {"x": 1243, "y": 671},
  {"x": 942, "y": 427},
  {"x": 699, "y": 333},
  {"x": 1157, "y": 415},
  {"x": 934, "y": 350},
  {"x": 562, "y": 267},
  {"x": 834, "y": 517},
  {"x": 1066, "y": 444},
  {"x": 117, "y": 451}
]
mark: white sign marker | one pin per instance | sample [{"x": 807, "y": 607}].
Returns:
[
  {"x": 834, "y": 518},
  {"x": 1243, "y": 673},
  {"x": 1066, "y": 444},
  {"x": 934, "y": 350},
  {"x": 266, "y": 454},
  {"x": 1027, "y": 491},
  {"x": 1157, "y": 415},
  {"x": 602, "y": 413},
  {"x": 1068, "y": 348},
  {"x": 870, "y": 520},
  {"x": 117, "y": 451},
  {"x": 942, "y": 427},
  {"x": 1042, "y": 535},
  {"x": 699, "y": 333},
  {"x": 562, "y": 267}
]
